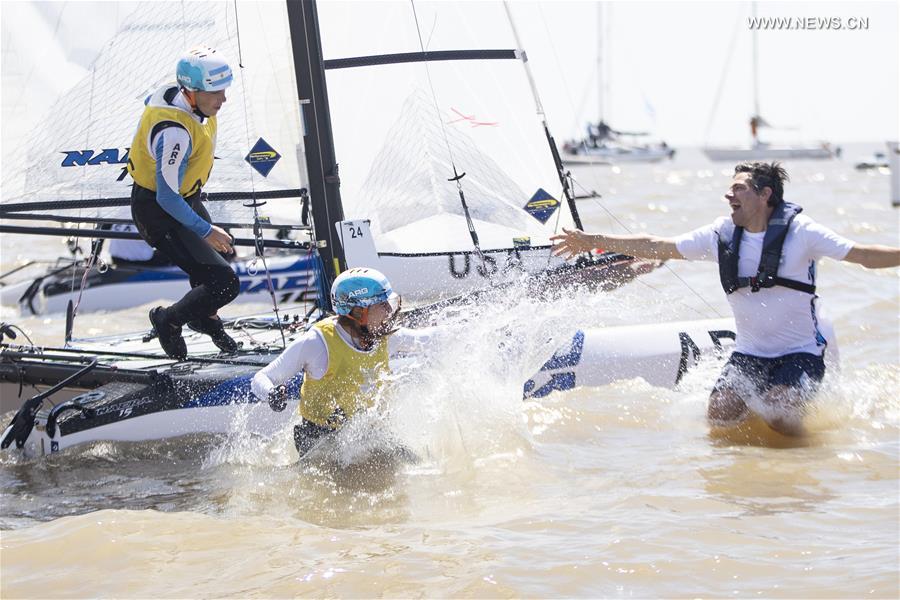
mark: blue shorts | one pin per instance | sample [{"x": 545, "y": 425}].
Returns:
[{"x": 800, "y": 370}]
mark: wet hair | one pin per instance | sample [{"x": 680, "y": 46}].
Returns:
[{"x": 771, "y": 175}]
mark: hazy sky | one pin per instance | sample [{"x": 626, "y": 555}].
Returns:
[
  {"x": 840, "y": 85},
  {"x": 668, "y": 56}
]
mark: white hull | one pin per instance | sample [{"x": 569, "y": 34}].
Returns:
[
  {"x": 419, "y": 277},
  {"x": 119, "y": 288},
  {"x": 613, "y": 156},
  {"x": 434, "y": 276},
  {"x": 255, "y": 419},
  {"x": 659, "y": 353},
  {"x": 147, "y": 396},
  {"x": 894, "y": 162},
  {"x": 128, "y": 295},
  {"x": 765, "y": 152}
]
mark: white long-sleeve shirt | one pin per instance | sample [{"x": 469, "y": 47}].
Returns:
[{"x": 309, "y": 354}]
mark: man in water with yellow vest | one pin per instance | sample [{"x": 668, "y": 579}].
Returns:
[
  {"x": 170, "y": 161},
  {"x": 343, "y": 359}
]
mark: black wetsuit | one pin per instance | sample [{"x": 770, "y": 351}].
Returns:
[
  {"x": 307, "y": 434},
  {"x": 213, "y": 282}
]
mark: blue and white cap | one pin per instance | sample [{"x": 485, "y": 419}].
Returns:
[
  {"x": 203, "y": 69},
  {"x": 360, "y": 287}
]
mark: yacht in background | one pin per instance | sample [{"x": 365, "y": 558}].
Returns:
[
  {"x": 758, "y": 149},
  {"x": 603, "y": 145}
]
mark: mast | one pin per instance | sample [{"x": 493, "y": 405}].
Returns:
[
  {"x": 755, "y": 60},
  {"x": 601, "y": 80},
  {"x": 554, "y": 150},
  {"x": 321, "y": 163}
]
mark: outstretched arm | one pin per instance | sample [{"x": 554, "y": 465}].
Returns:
[
  {"x": 874, "y": 256},
  {"x": 573, "y": 242}
]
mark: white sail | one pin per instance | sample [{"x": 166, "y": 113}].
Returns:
[
  {"x": 79, "y": 150},
  {"x": 402, "y": 131},
  {"x": 407, "y": 187},
  {"x": 400, "y": 128}
]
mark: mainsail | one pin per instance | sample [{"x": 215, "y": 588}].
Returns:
[
  {"x": 429, "y": 108},
  {"x": 78, "y": 152},
  {"x": 408, "y": 183}
]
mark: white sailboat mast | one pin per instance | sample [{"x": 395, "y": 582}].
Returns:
[
  {"x": 602, "y": 82},
  {"x": 755, "y": 59}
]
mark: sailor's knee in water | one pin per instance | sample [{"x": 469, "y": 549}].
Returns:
[
  {"x": 726, "y": 408},
  {"x": 783, "y": 409}
]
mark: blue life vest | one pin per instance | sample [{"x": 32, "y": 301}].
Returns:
[{"x": 773, "y": 242}]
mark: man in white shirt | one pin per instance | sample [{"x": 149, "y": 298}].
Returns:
[{"x": 767, "y": 256}]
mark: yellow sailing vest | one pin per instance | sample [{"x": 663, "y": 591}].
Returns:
[
  {"x": 349, "y": 384},
  {"x": 142, "y": 164}
]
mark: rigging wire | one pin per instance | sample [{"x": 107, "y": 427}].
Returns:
[
  {"x": 601, "y": 204},
  {"x": 539, "y": 107},
  {"x": 566, "y": 88},
  {"x": 667, "y": 267},
  {"x": 456, "y": 176},
  {"x": 728, "y": 56},
  {"x": 96, "y": 244},
  {"x": 254, "y": 203},
  {"x": 72, "y": 309},
  {"x": 562, "y": 74}
]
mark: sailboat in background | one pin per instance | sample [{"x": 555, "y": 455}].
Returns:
[
  {"x": 759, "y": 149},
  {"x": 602, "y": 144}
]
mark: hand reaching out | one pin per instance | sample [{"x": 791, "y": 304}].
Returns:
[{"x": 572, "y": 242}]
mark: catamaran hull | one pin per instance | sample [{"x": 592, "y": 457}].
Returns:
[
  {"x": 770, "y": 153},
  {"x": 181, "y": 399},
  {"x": 255, "y": 419},
  {"x": 419, "y": 278},
  {"x": 433, "y": 276},
  {"x": 121, "y": 287},
  {"x": 659, "y": 353}
]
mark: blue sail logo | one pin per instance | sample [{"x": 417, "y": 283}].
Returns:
[
  {"x": 542, "y": 205},
  {"x": 81, "y": 158}
]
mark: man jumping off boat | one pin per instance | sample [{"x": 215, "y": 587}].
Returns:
[
  {"x": 767, "y": 256},
  {"x": 344, "y": 359},
  {"x": 170, "y": 161}
]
